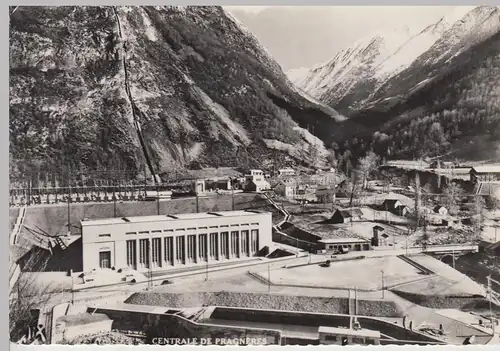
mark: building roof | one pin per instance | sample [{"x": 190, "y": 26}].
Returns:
[
  {"x": 487, "y": 188},
  {"x": 391, "y": 201},
  {"x": 172, "y": 217},
  {"x": 343, "y": 240},
  {"x": 350, "y": 332},
  {"x": 378, "y": 227},
  {"x": 438, "y": 207},
  {"x": 260, "y": 182},
  {"x": 348, "y": 213},
  {"x": 486, "y": 169}
]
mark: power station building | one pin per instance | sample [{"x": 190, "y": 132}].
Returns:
[{"x": 174, "y": 241}]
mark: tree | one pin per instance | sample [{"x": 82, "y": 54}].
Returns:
[
  {"x": 332, "y": 160},
  {"x": 28, "y": 295},
  {"x": 354, "y": 187},
  {"x": 453, "y": 192},
  {"x": 492, "y": 202},
  {"x": 366, "y": 165}
]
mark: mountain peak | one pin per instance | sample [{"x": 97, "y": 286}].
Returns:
[{"x": 373, "y": 60}]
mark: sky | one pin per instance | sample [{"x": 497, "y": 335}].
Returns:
[{"x": 304, "y": 36}]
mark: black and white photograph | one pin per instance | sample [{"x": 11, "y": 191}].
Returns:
[{"x": 254, "y": 175}]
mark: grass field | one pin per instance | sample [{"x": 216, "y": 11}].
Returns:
[
  {"x": 363, "y": 274},
  {"x": 53, "y": 219}
]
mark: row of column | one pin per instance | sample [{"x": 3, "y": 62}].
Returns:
[{"x": 190, "y": 249}]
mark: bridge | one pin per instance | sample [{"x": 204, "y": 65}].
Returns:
[{"x": 447, "y": 253}]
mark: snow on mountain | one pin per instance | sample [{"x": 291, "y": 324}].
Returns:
[
  {"x": 419, "y": 43},
  {"x": 296, "y": 74},
  {"x": 355, "y": 74}
]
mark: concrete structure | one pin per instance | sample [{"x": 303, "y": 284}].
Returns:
[
  {"x": 255, "y": 181},
  {"x": 441, "y": 210},
  {"x": 199, "y": 186},
  {"x": 490, "y": 173},
  {"x": 286, "y": 188},
  {"x": 325, "y": 193},
  {"x": 286, "y": 172},
  {"x": 377, "y": 235},
  {"x": 347, "y": 336},
  {"x": 174, "y": 241},
  {"x": 490, "y": 248},
  {"x": 402, "y": 210},
  {"x": 222, "y": 183},
  {"x": 442, "y": 164},
  {"x": 351, "y": 243},
  {"x": 257, "y": 186},
  {"x": 391, "y": 204},
  {"x": 346, "y": 216}
]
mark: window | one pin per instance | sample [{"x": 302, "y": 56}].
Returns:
[
  {"x": 131, "y": 233},
  {"x": 156, "y": 231},
  {"x": 330, "y": 337},
  {"x": 202, "y": 247},
  {"x": 214, "y": 250},
  {"x": 235, "y": 244},
  {"x": 370, "y": 341},
  {"x": 143, "y": 232},
  {"x": 169, "y": 250},
  {"x": 254, "y": 241},
  {"x": 105, "y": 259},
  {"x": 191, "y": 248},
  {"x": 131, "y": 253},
  {"x": 224, "y": 239},
  {"x": 180, "y": 245},
  {"x": 244, "y": 243},
  {"x": 144, "y": 253},
  {"x": 156, "y": 252},
  {"x": 104, "y": 235}
]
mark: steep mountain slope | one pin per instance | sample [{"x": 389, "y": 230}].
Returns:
[
  {"x": 160, "y": 87},
  {"x": 435, "y": 93},
  {"x": 353, "y": 74}
]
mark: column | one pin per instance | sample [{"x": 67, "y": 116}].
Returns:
[{"x": 174, "y": 250}]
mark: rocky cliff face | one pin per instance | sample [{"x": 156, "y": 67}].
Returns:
[{"x": 155, "y": 87}]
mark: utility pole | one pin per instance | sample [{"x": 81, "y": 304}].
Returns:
[
  {"x": 72, "y": 288},
  {"x": 453, "y": 256},
  {"x": 69, "y": 200},
  {"x": 206, "y": 266},
  {"x": 490, "y": 295}
]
